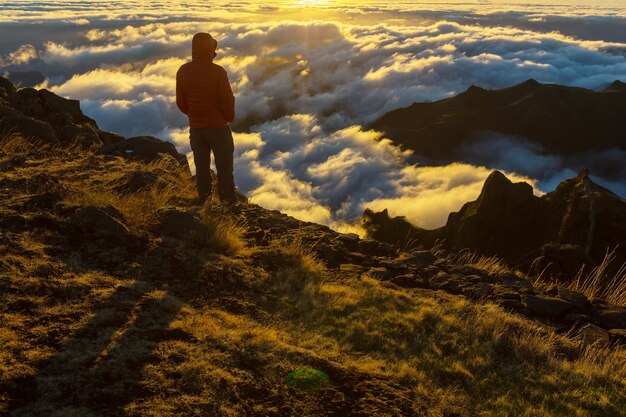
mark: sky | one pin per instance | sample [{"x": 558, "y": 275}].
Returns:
[{"x": 309, "y": 76}]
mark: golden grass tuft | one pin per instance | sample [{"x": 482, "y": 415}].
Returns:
[
  {"x": 491, "y": 264},
  {"x": 224, "y": 234},
  {"x": 606, "y": 281}
]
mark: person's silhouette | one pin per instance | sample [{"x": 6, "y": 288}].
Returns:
[{"x": 203, "y": 93}]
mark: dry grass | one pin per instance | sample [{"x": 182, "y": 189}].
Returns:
[
  {"x": 606, "y": 281},
  {"x": 491, "y": 264},
  {"x": 460, "y": 357},
  {"x": 88, "y": 330},
  {"x": 225, "y": 235}
]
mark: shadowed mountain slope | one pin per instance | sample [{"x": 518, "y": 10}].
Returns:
[{"x": 563, "y": 120}]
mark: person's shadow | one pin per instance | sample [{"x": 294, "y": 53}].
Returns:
[{"x": 99, "y": 368}]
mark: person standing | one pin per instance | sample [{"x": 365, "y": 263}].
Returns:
[{"x": 203, "y": 93}]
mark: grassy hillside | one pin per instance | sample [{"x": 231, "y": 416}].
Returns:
[{"x": 108, "y": 311}]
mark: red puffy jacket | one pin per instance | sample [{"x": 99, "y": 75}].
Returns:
[{"x": 203, "y": 93}]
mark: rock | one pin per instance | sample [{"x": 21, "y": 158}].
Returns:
[
  {"x": 367, "y": 245},
  {"x": 449, "y": 283},
  {"x": 442, "y": 263},
  {"x": 13, "y": 222},
  {"x": 478, "y": 291},
  {"x": 349, "y": 238},
  {"x": 357, "y": 258},
  {"x": 46, "y": 221},
  {"x": 47, "y": 200},
  {"x": 383, "y": 228},
  {"x": 105, "y": 222},
  {"x": 15, "y": 122},
  {"x": 568, "y": 258},
  {"x": 592, "y": 335},
  {"x": 421, "y": 258},
  {"x": 576, "y": 318},
  {"x": 466, "y": 270},
  {"x": 430, "y": 271},
  {"x": 83, "y": 134},
  {"x": 410, "y": 281},
  {"x": 146, "y": 149},
  {"x": 609, "y": 317},
  {"x": 512, "y": 305},
  {"x": 174, "y": 223},
  {"x": 332, "y": 255},
  {"x": 385, "y": 249},
  {"x": 108, "y": 138},
  {"x": 395, "y": 265},
  {"x": 381, "y": 274},
  {"x": 546, "y": 306},
  {"x": 505, "y": 293},
  {"x": 579, "y": 300},
  {"x": 512, "y": 281}
]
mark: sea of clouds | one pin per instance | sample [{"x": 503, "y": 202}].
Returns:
[{"x": 309, "y": 79}]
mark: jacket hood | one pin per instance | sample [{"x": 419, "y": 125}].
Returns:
[{"x": 203, "y": 46}]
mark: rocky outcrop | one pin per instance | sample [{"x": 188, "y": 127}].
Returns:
[
  {"x": 41, "y": 115},
  {"x": 144, "y": 148},
  {"x": 44, "y": 116},
  {"x": 562, "y": 231}
]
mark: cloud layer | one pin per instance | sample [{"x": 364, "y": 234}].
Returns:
[{"x": 305, "y": 88}]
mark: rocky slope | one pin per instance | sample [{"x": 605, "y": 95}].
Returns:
[
  {"x": 119, "y": 296},
  {"x": 562, "y": 120},
  {"x": 573, "y": 226}
]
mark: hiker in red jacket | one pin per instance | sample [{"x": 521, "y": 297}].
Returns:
[{"x": 203, "y": 93}]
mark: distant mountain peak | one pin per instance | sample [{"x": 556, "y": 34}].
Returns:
[{"x": 616, "y": 85}]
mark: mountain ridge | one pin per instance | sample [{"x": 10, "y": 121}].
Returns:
[{"x": 562, "y": 120}]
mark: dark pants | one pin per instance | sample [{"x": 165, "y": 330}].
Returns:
[{"x": 220, "y": 141}]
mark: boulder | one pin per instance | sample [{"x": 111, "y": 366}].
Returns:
[
  {"x": 47, "y": 200},
  {"x": 381, "y": 274},
  {"x": 146, "y": 149},
  {"x": 576, "y": 318},
  {"x": 478, "y": 291},
  {"x": 83, "y": 134},
  {"x": 609, "y": 317},
  {"x": 175, "y": 223},
  {"x": 367, "y": 245},
  {"x": 513, "y": 281},
  {"x": 566, "y": 259},
  {"x": 410, "y": 281},
  {"x": 421, "y": 258},
  {"x": 13, "y": 222},
  {"x": 546, "y": 306},
  {"x": 448, "y": 283},
  {"x": 103, "y": 222},
  {"x": 514, "y": 306},
  {"x": 12, "y": 121},
  {"x": 578, "y": 299}
]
